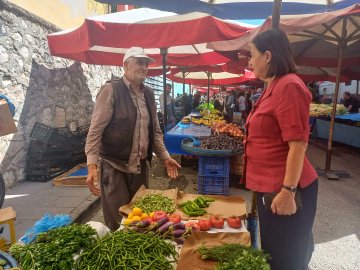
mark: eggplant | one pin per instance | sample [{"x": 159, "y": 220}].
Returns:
[
  {"x": 178, "y": 233},
  {"x": 165, "y": 227},
  {"x": 159, "y": 223},
  {"x": 143, "y": 224},
  {"x": 177, "y": 226}
]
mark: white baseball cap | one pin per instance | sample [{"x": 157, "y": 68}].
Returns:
[{"x": 136, "y": 52}]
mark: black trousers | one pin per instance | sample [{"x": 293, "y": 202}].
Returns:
[
  {"x": 288, "y": 239},
  {"x": 117, "y": 189}
]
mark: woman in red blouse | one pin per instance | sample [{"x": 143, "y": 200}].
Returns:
[{"x": 275, "y": 161}]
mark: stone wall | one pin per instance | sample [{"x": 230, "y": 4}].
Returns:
[{"x": 51, "y": 90}]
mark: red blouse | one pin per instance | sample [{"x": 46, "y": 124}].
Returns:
[{"x": 280, "y": 115}]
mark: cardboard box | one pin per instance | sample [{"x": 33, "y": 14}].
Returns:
[
  {"x": 190, "y": 257},
  {"x": 7, "y": 124}
]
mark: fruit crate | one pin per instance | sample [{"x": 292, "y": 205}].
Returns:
[
  {"x": 213, "y": 185},
  {"x": 49, "y": 135},
  {"x": 78, "y": 157},
  {"x": 214, "y": 166},
  {"x": 45, "y": 163},
  {"x": 189, "y": 161},
  {"x": 52, "y": 154},
  {"x": 46, "y": 177},
  {"x": 82, "y": 131}
]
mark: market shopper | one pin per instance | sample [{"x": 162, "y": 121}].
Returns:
[
  {"x": 351, "y": 102},
  {"x": 229, "y": 106},
  {"x": 196, "y": 100},
  {"x": 276, "y": 167},
  {"x": 170, "y": 115},
  {"x": 123, "y": 134}
]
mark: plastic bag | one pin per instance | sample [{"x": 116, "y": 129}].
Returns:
[
  {"x": 46, "y": 223},
  {"x": 100, "y": 228}
]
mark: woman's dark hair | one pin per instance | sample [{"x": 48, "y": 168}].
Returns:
[{"x": 277, "y": 43}]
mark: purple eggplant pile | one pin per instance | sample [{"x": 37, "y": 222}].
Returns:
[{"x": 176, "y": 231}]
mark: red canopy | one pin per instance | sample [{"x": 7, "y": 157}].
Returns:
[
  {"x": 213, "y": 75},
  {"x": 314, "y": 40},
  {"x": 103, "y": 40}
]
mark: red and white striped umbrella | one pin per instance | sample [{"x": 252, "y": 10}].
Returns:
[
  {"x": 103, "y": 40},
  {"x": 213, "y": 75}
]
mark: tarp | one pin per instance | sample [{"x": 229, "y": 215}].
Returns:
[
  {"x": 238, "y": 9},
  {"x": 103, "y": 40},
  {"x": 312, "y": 43}
]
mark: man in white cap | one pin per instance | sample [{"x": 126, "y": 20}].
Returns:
[{"x": 123, "y": 134}]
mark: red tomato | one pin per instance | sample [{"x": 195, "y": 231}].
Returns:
[
  {"x": 159, "y": 215},
  {"x": 193, "y": 225},
  {"x": 175, "y": 218},
  {"x": 205, "y": 224},
  {"x": 234, "y": 222},
  {"x": 217, "y": 222}
]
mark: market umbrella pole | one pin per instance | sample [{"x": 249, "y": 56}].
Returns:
[
  {"x": 184, "y": 105},
  {"x": 276, "y": 14},
  {"x": 208, "y": 90},
  {"x": 163, "y": 52},
  {"x": 341, "y": 45}
]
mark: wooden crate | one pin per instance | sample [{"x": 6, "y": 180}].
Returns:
[
  {"x": 236, "y": 165},
  {"x": 67, "y": 179}
]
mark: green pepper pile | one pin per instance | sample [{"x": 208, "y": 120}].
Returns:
[
  {"x": 129, "y": 250},
  {"x": 196, "y": 207},
  {"x": 154, "y": 202}
]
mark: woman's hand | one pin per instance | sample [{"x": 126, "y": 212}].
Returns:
[
  {"x": 171, "y": 167},
  {"x": 284, "y": 203},
  {"x": 93, "y": 180}
]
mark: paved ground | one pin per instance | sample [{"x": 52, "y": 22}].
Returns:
[
  {"x": 336, "y": 229},
  {"x": 337, "y": 223},
  {"x": 31, "y": 200}
]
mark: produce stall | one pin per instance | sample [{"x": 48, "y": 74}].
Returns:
[
  {"x": 197, "y": 124},
  {"x": 208, "y": 136},
  {"x": 174, "y": 136},
  {"x": 182, "y": 231},
  {"x": 343, "y": 133},
  {"x": 346, "y": 128}
]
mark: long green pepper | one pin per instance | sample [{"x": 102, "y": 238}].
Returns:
[
  {"x": 153, "y": 202},
  {"x": 129, "y": 250}
]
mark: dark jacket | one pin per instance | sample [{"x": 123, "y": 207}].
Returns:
[{"x": 117, "y": 139}]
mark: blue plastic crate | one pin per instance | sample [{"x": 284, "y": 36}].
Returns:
[
  {"x": 214, "y": 166},
  {"x": 213, "y": 185}
]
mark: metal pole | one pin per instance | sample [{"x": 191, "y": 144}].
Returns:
[
  {"x": 163, "y": 52},
  {"x": 357, "y": 88},
  {"x": 276, "y": 14},
  {"x": 172, "y": 88},
  {"x": 341, "y": 45},
  {"x": 183, "y": 97},
  {"x": 208, "y": 91}
]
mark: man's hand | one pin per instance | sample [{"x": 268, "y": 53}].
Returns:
[
  {"x": 284, "y": 203},
  {"x": 93, "y": 180},
  {"x": 171, "y": 167}
]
